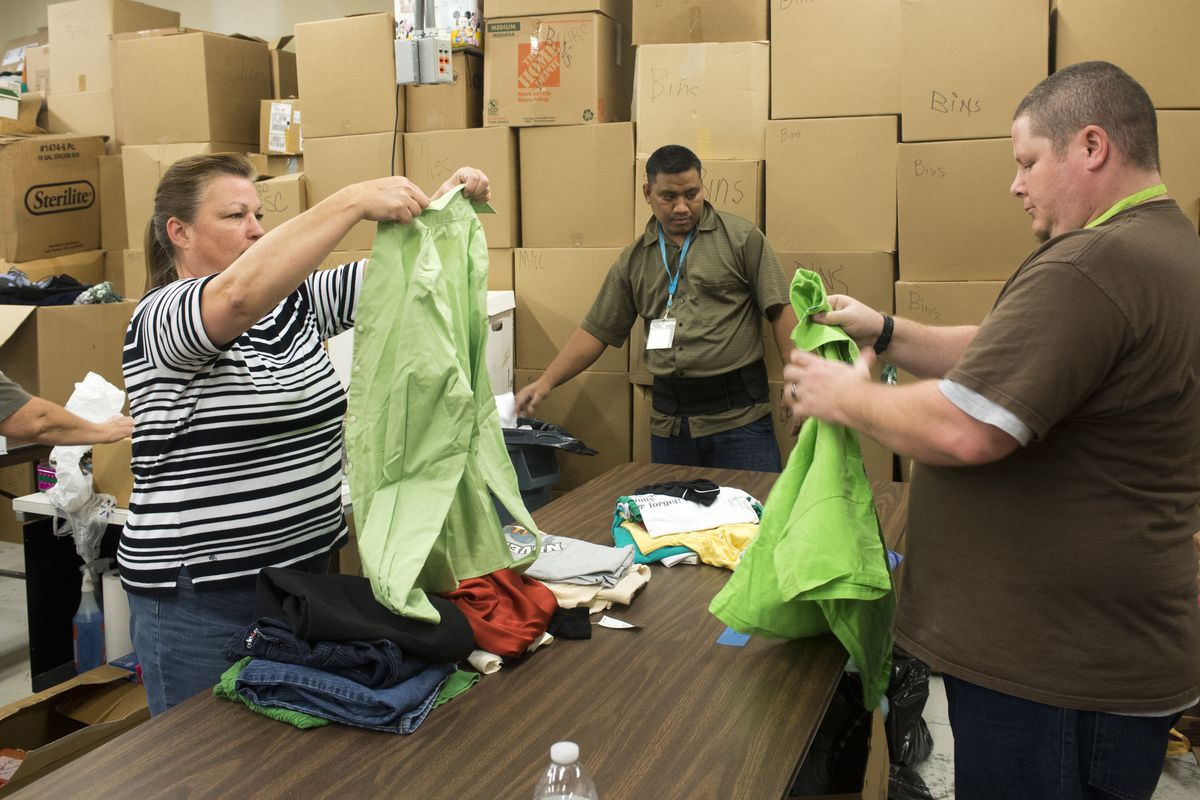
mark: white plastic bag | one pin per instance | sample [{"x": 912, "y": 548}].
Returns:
[{"x": 86, "y": 512}]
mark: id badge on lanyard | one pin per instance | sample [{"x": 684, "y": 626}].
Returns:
[{"x": 662, "y": 330}]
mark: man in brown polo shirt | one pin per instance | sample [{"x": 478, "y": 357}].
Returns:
[
  {"x": 1050, "y": 574},
  {"x": 701, "y": 281}
]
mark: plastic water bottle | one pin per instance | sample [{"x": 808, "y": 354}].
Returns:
[
  {"x": 87, "y": 628},
  {"x": 565, "y": 779}
]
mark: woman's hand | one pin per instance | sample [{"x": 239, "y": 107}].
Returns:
[
  {"x": 395, "y": 199},
  {"x": 475, "y": 184}
]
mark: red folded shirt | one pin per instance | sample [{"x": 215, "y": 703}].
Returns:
[{"x": 507, "y": 612}]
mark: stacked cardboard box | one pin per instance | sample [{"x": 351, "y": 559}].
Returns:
[{"x": 82, "y": 56}]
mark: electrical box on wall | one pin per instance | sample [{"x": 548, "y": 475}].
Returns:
[{"x": 424, "y": 61}]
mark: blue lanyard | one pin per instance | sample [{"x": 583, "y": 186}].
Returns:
[{"x": 673, "y": 282}]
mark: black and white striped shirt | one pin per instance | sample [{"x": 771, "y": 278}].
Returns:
[{"x": 237, "y": 449}]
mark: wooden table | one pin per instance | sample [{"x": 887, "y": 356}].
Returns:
[{"x": 662, "y": 712}]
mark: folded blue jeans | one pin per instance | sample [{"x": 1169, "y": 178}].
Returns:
[
  {"x": 397, "y": 709},
  {"x": 376, "y": 664}
]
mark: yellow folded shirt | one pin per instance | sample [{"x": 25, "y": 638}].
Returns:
[{"x": 722, "y": 546}]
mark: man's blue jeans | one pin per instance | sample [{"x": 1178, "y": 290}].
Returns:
[
  {"x": 1007, "y": 748},
  {"x": 751, "y": 447},
  {"x": 179, "y": 638}
]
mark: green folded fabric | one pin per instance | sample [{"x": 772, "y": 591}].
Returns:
[
  {"x": 226, "y": 689},
  {"x": 819, "y": 564},
  {"x": 457, "y": 683},
  {"x": 423, "y": 436}
]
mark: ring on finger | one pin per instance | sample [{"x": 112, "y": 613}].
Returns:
[{"x": 792, "y": 387}]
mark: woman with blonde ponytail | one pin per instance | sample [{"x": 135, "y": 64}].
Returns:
[{"x": 238, "y": 434}]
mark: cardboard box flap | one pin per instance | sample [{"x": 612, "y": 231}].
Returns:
[
  {"x": 93, "y": 707},
  {"x": 11, "y": 318},
  {"x": 101, "y": 675},
  {"x": 247, "y": 37},
  {"x": 281, "y": 42},
  {"x": 25, "y": 124},
  {"x": 146, "y": 34}
]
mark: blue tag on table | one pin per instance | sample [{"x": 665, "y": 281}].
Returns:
[{"x": 732, "y": 638}]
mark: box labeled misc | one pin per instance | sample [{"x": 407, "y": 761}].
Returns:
[
  {"x": 48, "y": 196},
  {"x": 568, "y": 69}
]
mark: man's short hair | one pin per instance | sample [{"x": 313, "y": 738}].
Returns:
[
  {"x": 671, "y": 159},
  {"x": 1094, "y": 93}
]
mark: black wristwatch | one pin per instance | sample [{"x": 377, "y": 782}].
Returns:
[{"x": 885, "y": 336}]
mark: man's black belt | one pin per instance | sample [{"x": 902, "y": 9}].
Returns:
[{"x": 689, "y": 397}]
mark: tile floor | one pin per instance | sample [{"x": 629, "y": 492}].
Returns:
[{"x": 1180, "y": 781}]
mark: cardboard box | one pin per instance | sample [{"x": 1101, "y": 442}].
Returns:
[
  {"x": 283, "y": 69},
  {"x": 958, "y": 221},
  {"x": 85, "y": 114},
  {"x": 595, "y": 408},
  {"x": 732, "y": 186},
  {"x": 1179, "y": 157},
  {"x": 86, "y": 267},
  {"x": 441, "y": 108},
  {"x": 432, "y": 157},
  {"x": 334, "y": 162},
  {"x": 946, "y": 302},
  {"x": 878, "y": 460},
  {"x": 700, "y": 21},
  {"x": 619, "y": 10},
  {"x": 500, "y": 343},
  {"x": 282, "y": 198},
  {"x": 347, "y": 75},
  {"x": 82, "y": 54},
  {"x": 831, "y": 184},
  {"x": 601, "y": 158},
  {"x": 47, "y": 349},
  {"x": 15, "y": 51},
  {"x": 565, "y": 69},
  {"x": 37, "y": 69},
  {"x": 268, "y": 166},
  {"x": 59, "y": 724},
  {"x": 555, "y": 288},
  {"x": 48, "y": 199},
  {"x": 1154, "y": 41},
  {"x": 835, "y": 59},
  {"x": 129, "y": 275},
  {"x": 279, "y": 130},
  {"x": 143, "y": 165},
  {"x": 500, "y": 269},
  {"x": 16, "y": 480},
  {"x": 27, "y": 118},
  {"x": 114, "y": 234},
  {"x": 966, "y": 64},
  {"x": 710, "y": 98},
  {"x": 190, "y": 87},
  {"x": 111, "y": 472}
]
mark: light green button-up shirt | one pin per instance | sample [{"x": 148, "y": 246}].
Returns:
[{"x": 422, "y": 431}]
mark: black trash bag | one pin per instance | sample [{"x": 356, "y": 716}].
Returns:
[
  {"x": 837, "y": 756},
  {"x": 905, "y": 784},
  {"x": 546, "y": 434},
  {"x": 909, "y": 740}
]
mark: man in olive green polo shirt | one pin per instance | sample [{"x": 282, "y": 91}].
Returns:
[
  {"x": 27, "y": 418},
  {"x": 701, "y": 280}
]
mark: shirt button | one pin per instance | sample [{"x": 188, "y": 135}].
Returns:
[
  {"x": 355, "y": 368},
  {"x": 360, "y": 328},
  {"x": 351, "y": 419}
]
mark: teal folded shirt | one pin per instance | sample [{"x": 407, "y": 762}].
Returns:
[{"x": 818, "y": 564}]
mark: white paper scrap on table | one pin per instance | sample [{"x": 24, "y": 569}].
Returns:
[
  {"x": 612, "y": 622},
  {"x": 680, "y": 558}
]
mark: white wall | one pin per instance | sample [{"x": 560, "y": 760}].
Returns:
[{"x": 267, "y": 19}]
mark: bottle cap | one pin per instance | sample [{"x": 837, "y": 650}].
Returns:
[{"x": 564, "y": 753}]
